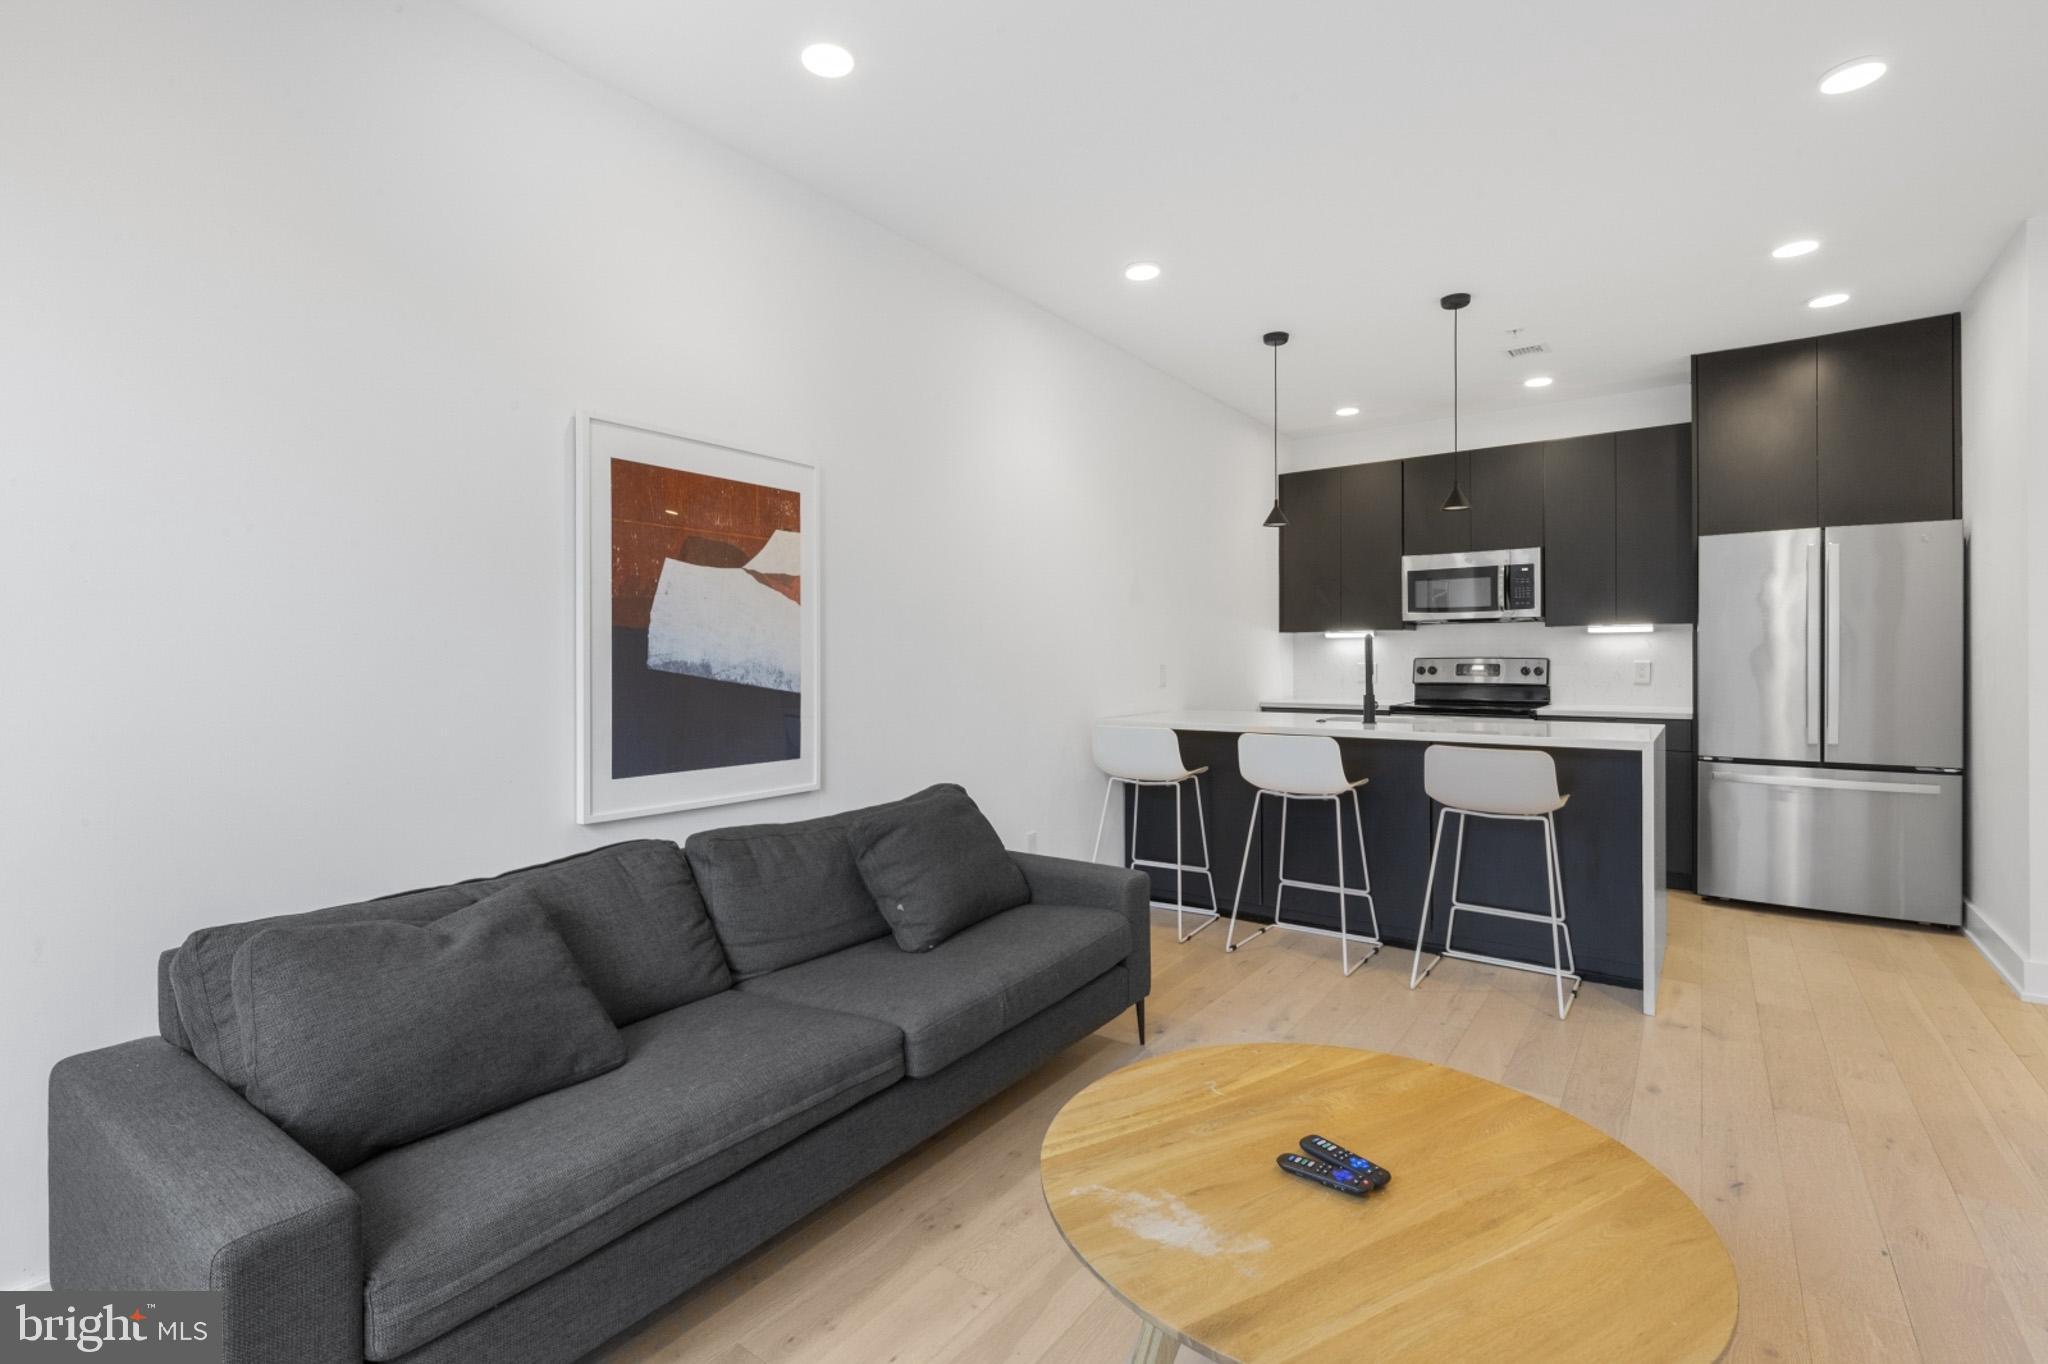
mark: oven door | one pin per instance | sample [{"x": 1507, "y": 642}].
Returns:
[{"x": 1452, "y": 587}]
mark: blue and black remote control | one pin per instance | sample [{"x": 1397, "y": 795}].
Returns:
[
  {"x": 1325, "y": 1174},
  {"x": 1330, "y": 1153}
]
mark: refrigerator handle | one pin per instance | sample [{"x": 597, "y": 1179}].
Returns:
[
  {"x": 1813, "y": 644},
  {"x": 1833, "y": 662}
]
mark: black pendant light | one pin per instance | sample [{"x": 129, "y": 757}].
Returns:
[
  {"x": 1276, "y": 518},
  {"x": 1457, "y": 501}
]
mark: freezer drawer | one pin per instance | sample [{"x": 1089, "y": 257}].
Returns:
[{"x": 1884, "y": 844}]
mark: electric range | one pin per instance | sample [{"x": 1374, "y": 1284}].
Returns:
[{"x": 1482, "y": 688}]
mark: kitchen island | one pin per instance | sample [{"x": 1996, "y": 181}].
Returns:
[{"x": 1610, "y": 835}]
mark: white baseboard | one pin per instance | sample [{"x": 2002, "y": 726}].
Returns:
[
  {"x": 29, "y": 1286},
  {"x": 2028, "y": 978}
]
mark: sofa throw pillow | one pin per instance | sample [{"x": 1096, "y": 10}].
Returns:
[
  {"x": 935, "y": 866},
  {"x": 629, "y": 912},
  {"x": 780, "y": 894},
  {"x": 364, "y": 1036}
]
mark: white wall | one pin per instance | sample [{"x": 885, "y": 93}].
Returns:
[
  {"x": 2005, "y": 503},
  {"x": 1587, "y": 671},
  {"x": 298, "y": 305},
  {"x": 1477, "y": 430}
]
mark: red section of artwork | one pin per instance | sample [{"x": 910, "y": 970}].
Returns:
[{"x": 660, "y": 514}]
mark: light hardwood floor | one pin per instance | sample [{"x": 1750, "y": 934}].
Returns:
[{"x": 1861, "y": 1109}]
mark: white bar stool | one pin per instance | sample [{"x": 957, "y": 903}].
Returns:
[
  {"x": 1304, "y": 767},
  {"x": 1510, "y": 785},
  {"x": 1142, "y": 756}
]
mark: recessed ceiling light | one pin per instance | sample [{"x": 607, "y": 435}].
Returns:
[
  {"x": 1142, "y": 272},
  {"x": 1827, "y": 301},
  {"x": 1852, "y": 76},
  {"x": 1805, "y": 246},
  {"x": 1538, "y": 381},
  {"x": 829, "y": 60},
  {"x": 1347, "y": 411}
]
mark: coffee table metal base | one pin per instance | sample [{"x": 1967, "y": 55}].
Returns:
[{"x": 1155, "y": 1346}]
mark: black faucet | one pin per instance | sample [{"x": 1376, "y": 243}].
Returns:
[{"x": 1372, "y": 705}]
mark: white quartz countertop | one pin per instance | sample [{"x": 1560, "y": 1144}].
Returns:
[
  {"x": 1649, "y": 715},
  {"x": 1410, "y": 729}
]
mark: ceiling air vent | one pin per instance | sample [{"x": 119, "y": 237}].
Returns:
[{"x": 1535, "y": 348}]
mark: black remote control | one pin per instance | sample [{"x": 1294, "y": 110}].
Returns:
[
  {"x": 1323, "y": 1149},
  {"x": 1329, "y": 1176}
]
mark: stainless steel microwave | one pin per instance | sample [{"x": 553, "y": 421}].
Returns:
[{"x": 1495, "y": 584}]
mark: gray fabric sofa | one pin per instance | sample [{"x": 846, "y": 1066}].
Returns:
[{"x": 539, "y": 1231}]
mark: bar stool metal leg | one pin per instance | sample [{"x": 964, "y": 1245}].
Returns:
[
  {"x": 1230, "y": 943},
  {"x": 1102, "y": 820},
  {"x": 1215, "y": 901},
  {"x": 1343, "y": 898},
  {"x": 1416, "y": 971},
  {"x": 1563, "y": 965},
  {"x": 1364, "y": 867}
]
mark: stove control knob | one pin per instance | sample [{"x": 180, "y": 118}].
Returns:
[
  {"x": 1525, "y": 672},
  {"x": 1539, "y": 672},
  {"x": 1432, "y": 670}
]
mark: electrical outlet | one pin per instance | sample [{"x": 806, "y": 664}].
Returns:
[
  {"x": 1162, "y": 674},
  {"x": 1358, "y": 672},
  {"x": 1031, "y": 840},
  {"x": 1642, "y": 672}
]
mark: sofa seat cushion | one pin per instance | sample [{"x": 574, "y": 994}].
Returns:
[
  {"x": 458, "y": 1223},
  {"x": 969, "y": 989}
]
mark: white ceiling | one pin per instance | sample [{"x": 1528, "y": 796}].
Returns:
[{"x": 1607, "y": 175}]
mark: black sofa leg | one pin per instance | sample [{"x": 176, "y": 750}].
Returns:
[{"x": 1141, "y": 1022}]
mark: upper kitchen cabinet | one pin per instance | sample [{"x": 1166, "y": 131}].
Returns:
[
  {"x": 1340, "y": 551},
  {"x": 1426, "y": 528},
  {"x": 1757, "y": 438},
  {"x": 1655, "y": 553},
  {"x": 1617, "y": 517},
  {"x": 1579, "y": 526},
  {"x": 1888, "y": 424},
  {"x": 1369, "y": 595},
  {"x": 1856, "y": 428},
  {"x": 1505, "y": 484},
  {"x": 1311, "y": 549}
]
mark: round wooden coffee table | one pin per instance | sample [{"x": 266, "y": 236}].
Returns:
[{"x": 1510, "y": 1230}]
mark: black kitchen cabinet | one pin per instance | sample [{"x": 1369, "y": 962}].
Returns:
[
  {"x": 1887, "y": 424},
  {"x": 1756, "y": 428},
  {"x": 1579, "y": 492},
  {"x": 1656, "y": 554},
  {"x": 1426, "y": 528},
  {"x": 1681, "y": 797},
  {"x": 1505, "y": 485},
  {"x": 1369, "y": 588},
  {"x": 1311, "y": 549},
  {"x": 1618, "y": 543},
  {"x": 1855, "y": 428}
]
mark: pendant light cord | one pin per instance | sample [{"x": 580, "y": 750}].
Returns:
[
  {"x": 1276, "y": 423},
  {"x": 1454, "y": 385}
]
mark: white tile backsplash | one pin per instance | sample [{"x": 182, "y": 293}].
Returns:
[{"x": 1587, "y": 670}]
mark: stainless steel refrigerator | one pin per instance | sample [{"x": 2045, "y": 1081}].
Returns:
[{"x": 1830, "y": 714}]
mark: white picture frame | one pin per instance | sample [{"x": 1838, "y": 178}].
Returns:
[{"x": 690, "y": 703}]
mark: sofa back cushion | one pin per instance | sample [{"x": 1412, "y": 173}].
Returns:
[
  {"x": 780, "y": 894},
  {"x": 935, "y": 865},
  {"x": 630, "y": 915},
  {"x": 364, "y": 1036}
]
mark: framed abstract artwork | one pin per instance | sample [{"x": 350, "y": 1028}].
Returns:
[{"x": 697, "y": 633}]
